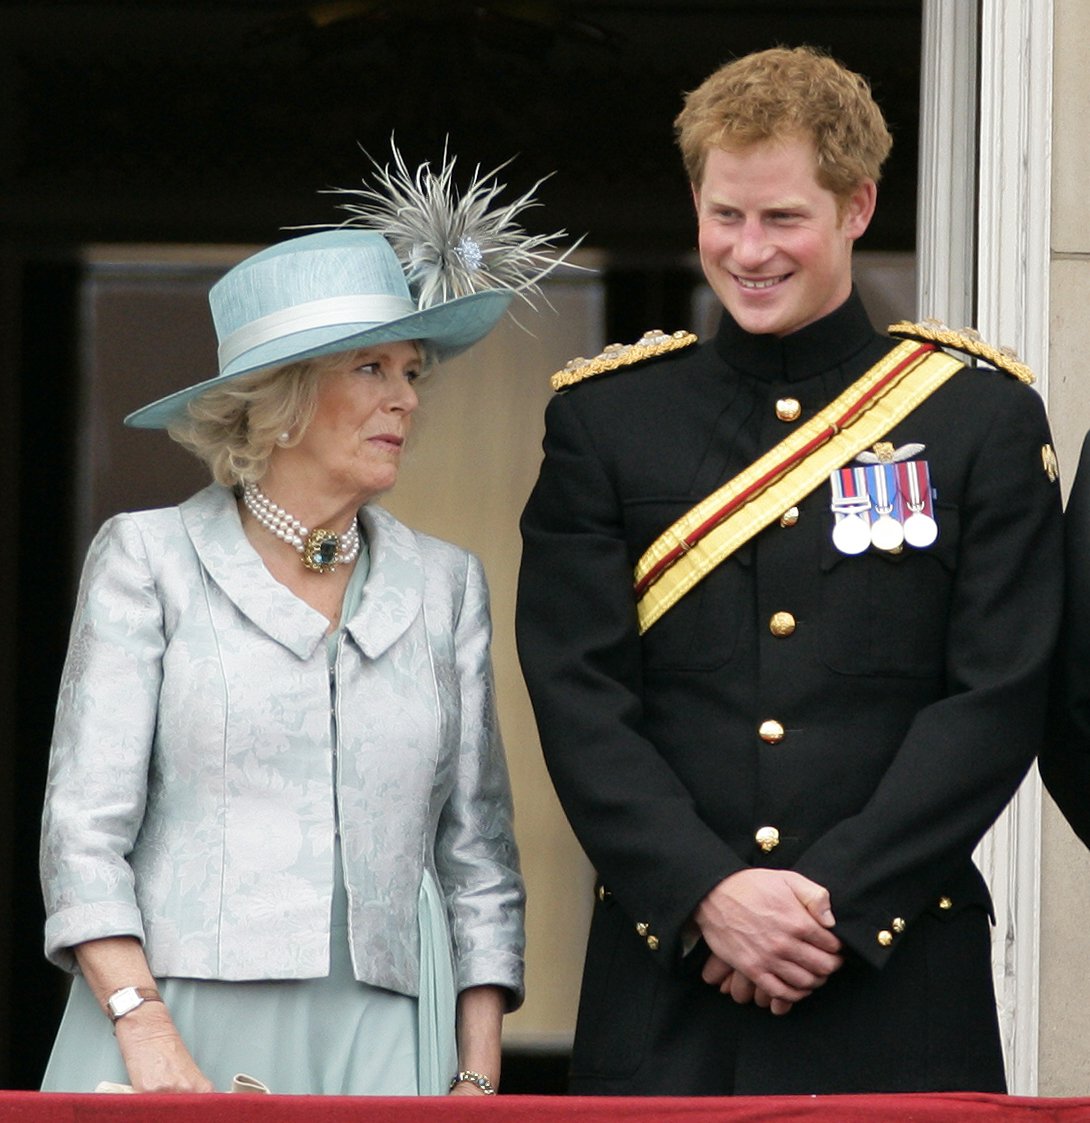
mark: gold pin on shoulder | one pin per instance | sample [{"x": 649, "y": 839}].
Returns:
[
  {"x": 650, "y": 345},
  {"x": 964, "y": 339}
]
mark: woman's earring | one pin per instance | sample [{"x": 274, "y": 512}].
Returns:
[{"x": 283, "y": 439}]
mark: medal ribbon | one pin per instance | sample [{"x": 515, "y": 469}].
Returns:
[
  {"x": 914, "y": 478},
  {"x": 886, "y": 531},
  {"x": 850, "y": 493},
  {"x": 915, "y": 482},
  {"x": 879, "y": 486}
]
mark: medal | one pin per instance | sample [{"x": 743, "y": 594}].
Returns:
[
  {"x": 886, "y": 531},
  {"x": 914, "y": 478},
  {"x": 851, "y": 535},
  {"x": 920, "y": 530},
  {"x": 851, "y": 505}
]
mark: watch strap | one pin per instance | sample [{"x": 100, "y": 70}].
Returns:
[{"x": 126, "y": 999}]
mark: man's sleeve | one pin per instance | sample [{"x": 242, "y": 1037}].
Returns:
[
  {"x": 964, "y": 755},
  {"x": 1065, "y": 756},
  {"x": 579, "y": 648}
]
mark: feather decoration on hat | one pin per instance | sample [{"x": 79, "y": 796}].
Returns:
[{"x": 452, "y": 243}]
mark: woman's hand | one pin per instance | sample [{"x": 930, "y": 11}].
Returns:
[
  {"x": 480, "y": 1017},
  {"x": 155, "y": 1057}
]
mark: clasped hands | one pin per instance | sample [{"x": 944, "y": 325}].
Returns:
[{"x": 769, "y": 934}]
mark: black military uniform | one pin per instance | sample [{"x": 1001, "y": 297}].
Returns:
[
  {"x": 876, "y": 711},
  {"x": 1065, "y": 756}
]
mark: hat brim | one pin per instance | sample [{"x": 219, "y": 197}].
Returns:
[{"x": 451, "y": 328}]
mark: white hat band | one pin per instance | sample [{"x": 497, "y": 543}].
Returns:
[{"x": 334, "y": 310}]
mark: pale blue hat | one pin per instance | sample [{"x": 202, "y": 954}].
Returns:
[{"x": 317, "y": 295}]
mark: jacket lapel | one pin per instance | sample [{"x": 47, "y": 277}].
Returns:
[
  {"x": 394, "y": 590},
  {"x": 212, "y": 522},
  {"x": 392, "y": 594}
]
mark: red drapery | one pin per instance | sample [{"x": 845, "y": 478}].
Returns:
[{"x": 37, "y": 1107}]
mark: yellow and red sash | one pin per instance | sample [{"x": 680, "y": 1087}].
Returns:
[{"x": 686, "y": 552}]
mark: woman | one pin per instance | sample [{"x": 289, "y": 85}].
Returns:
[{"x": 277, "y": 834}]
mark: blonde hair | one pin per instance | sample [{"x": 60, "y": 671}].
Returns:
[
  {"x": 234, "y": 428},
  {"x": 782, "y": 93}
]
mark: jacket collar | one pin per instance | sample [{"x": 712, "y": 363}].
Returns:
[
  {"x": 392, "y": 593},
  {"x": 394, "y": 590},
  {"x": 829, "y": 342}
]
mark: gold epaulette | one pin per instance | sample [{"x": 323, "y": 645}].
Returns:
[
  {"x": 650, "y": 345},
  {"x": 967, "y": 340}
]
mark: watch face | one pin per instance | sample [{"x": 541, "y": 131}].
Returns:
[{"x": 122, "y": 1001}]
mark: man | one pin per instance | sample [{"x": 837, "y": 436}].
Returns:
[
  {"x": 780, "y": 738},
  {"x": 1065, "y": 755}
]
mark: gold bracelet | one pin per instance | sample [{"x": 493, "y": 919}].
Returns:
[{"x": 467, "y": 1077}]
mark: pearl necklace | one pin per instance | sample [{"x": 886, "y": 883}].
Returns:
[{"x": 322, "y": 550}]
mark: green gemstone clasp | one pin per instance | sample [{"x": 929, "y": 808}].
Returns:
[{"x": 320, "y": 550}]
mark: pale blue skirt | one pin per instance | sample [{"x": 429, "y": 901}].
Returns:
[{"x": 328, "y": 1036}]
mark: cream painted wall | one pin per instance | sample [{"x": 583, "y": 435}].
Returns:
[
  {"x": 1064, "y": 1046},
  {"x": 473, "y": 459}
]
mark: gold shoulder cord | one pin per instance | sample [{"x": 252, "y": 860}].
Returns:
[
  {"x": 650, "y": 345},
  {"x": 967, "y": 340}
]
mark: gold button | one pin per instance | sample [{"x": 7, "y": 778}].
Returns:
[
  {"x": 898, "y": 924},
  {"x": 789, "y": 517},
  {"x": 771, "y": 732},
  {"x": 788, "y": 409},
  {"x": 885, "y": 938},
  {"x": 653, "y": 943},
  {"x": 603, "y": 893},
  {"x": 767, "y": 838},
  {"x": 781, "y": 624},
  {"x": 945, "y": 903},
  {"x": 643, "y": 928}
]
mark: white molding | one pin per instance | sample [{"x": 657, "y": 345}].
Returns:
[
  {"x": 1010, "y": 139},
  {"x": 1012, "y": 309},
  {"x": 1015, "y": 171},
  {"x": 1004, "y": 292},
  {"x": 946, "y": 207}
]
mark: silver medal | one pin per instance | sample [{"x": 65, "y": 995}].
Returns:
[
  {"x": 886, "y": 533},
  {"x": 851, "y": 535},
  {"x": 920, "y": 530}
]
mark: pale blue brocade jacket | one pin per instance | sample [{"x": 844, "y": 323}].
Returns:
[{"x": 190, "y": 800}]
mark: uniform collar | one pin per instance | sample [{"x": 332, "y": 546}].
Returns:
[{"x": 818, "y": 347}]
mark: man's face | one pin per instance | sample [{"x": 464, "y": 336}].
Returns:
[{"x": 774, "y": 246}]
